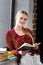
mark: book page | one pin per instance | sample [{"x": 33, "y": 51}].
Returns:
[
  {"x": 29, "y": 45},
  {"x": 26, "y": 44}
]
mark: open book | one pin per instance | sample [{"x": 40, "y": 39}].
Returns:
[{"x": 27, "y": 46}]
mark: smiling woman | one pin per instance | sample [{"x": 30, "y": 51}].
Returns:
[
  {"x": 21, "y": 28},
  {"x": 19, "y": 35}
]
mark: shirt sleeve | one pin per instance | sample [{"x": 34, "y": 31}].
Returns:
[{"x": 9, "y": 43}]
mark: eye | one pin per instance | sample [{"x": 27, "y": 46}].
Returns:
[{"x": 21, "y": 17}]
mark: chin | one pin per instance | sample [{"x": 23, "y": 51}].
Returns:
[{"x": 21, "y": 24}]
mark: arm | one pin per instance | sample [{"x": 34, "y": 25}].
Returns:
[{"x": 9, "y": 43}]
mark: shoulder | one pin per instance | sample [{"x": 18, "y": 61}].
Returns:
[{"x": 9, "y": 31}]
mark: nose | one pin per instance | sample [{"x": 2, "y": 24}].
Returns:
[{"x": 23, "y": 21}]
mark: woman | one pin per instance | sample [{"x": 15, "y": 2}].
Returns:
[{"x": 18, "y": 35}]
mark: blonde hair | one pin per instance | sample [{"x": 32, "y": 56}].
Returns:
[
  {"x": 29, "y": 34},
  {"x": 22, "y": 11}
]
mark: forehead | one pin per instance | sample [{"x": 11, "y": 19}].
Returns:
[{"x": 22, "y": 15}]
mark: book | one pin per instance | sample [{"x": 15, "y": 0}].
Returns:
[
  {"x": 3, "y": 50},
  {"x": 27, "y": 46}
]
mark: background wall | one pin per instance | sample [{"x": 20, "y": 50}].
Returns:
[{"x": 5, "y": 15}]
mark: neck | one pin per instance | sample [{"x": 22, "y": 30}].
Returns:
[{"x": 18, "y": 27}]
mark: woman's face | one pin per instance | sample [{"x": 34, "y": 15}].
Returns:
[{"x": 21, "y": 19}]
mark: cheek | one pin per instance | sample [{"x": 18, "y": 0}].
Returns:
[{"x": 18, "y": 21}]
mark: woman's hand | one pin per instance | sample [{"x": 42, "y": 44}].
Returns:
[
  {"x": 36, "y": 46},
  {"x": 23, "y": 52}
]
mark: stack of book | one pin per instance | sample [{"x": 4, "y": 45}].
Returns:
[{"x": 3, "y": 54}]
